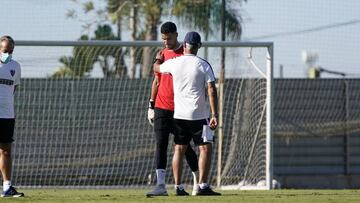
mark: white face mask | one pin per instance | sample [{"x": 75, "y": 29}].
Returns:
[{"x": 5, "y": 57}]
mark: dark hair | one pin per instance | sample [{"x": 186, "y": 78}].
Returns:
[
  {"x": 10, "y": 40},
  {"x": 168, "y": 27}
]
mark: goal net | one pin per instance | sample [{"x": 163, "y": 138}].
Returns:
[{"x": 82, "y": 115}]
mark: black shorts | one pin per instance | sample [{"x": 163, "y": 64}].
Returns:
[
  {"x": 7, "y": 130},
  {"x": 198, "y": 130},
  {"x": 164, "y": 121}
]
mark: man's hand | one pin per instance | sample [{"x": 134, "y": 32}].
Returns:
[
  {"x": 151, "y": 113},
  {"x": 213, "y": 123},
  {"x": 159, "y": 59}
]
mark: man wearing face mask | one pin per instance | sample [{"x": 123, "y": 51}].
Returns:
[{"x": 10, "y": 73}]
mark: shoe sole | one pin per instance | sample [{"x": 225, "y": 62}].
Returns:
[
  {"x": 5, "y": 196},
  {"x": 156, "y": 195},
  {"x": 208, "y": 194},
  {"x": 186, "y": 194}
]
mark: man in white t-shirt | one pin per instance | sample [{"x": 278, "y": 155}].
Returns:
[
  {"x": 191, "y": 75},
  {"x": 10, "y": 73}
]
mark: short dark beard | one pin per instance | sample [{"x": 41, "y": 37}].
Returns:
[{"x": 176, "y": 45}]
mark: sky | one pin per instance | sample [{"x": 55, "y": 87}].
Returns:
[
  {"x": 329, "y": 28},
  {"x": 338, "y": 47}
]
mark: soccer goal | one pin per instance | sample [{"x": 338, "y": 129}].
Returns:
[{"x": 82, "y": 105}]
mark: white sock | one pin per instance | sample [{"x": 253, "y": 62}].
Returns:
[
  {"x": 195, "y": 175},
  {"x": 203, "y": 185},
  {"x": 6, "y": 185},
  {"x": 181, "y": 187},
  {"x": 160, "y": 176}
]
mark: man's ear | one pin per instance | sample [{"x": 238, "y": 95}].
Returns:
[{"x": 199, "y": 45}]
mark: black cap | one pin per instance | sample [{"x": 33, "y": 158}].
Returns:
[{"x": 192, "y": 38}]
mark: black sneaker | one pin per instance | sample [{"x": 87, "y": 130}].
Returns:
[
  {"x": 11, "y": 192},
  {"x": 181, "y": 192},
  {"x": 207, "y": 192}
]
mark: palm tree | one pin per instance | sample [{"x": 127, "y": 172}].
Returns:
[
  {"x": 79, "y": 64},
  {"x": 152, "y": 10},
  {"x": 205, "y": 16},
  {"x": 84, "y": 57},
  {"x": 117, "y": 9}
]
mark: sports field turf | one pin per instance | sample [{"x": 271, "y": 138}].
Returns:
[{"x": 122, "y": 195}]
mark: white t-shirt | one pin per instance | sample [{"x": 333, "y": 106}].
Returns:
[
  {"x": 190, "y": 77},
  {"x": 10, "y": 74}
]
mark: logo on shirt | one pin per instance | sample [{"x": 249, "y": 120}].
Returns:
[
  {"x": 12, "y": 72},
  {"x": 6, "y": 82}
]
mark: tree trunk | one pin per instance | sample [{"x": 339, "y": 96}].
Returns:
[
  {"x": 207, "y": 30},
  {"x": 151, "y": 35},
  {"x": 120, "y": 67},
  {"x": 133, "y": 22}
]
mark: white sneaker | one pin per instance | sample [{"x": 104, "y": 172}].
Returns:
[{"x": 159, "y": 190}]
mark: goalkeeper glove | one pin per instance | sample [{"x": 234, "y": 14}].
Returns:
[{"x": 151, "y": 113}]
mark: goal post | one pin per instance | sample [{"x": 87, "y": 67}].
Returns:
[
  {"x": 265, "y": 182},
  {"x": 269, "y": 116},
  {"x": 94, "y": 129}
]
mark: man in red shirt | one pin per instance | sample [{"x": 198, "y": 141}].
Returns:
[{"x": 161, "y": 112}]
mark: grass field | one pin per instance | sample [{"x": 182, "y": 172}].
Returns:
[{"x": 122, "y": 195}]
